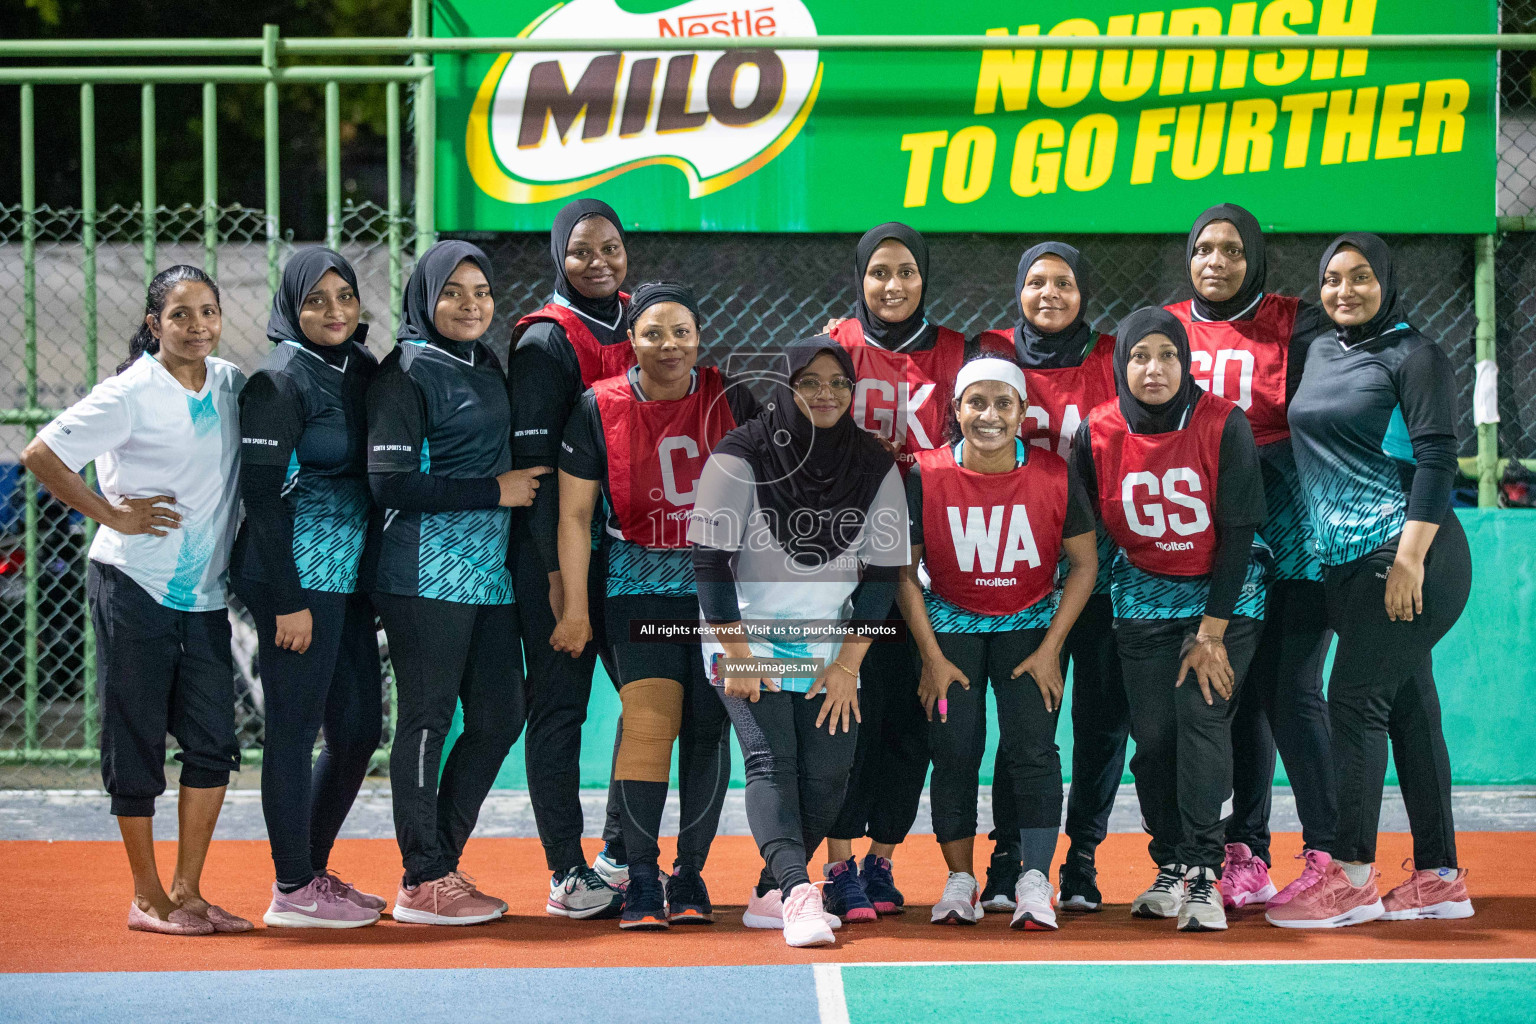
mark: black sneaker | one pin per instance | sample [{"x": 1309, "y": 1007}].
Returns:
[
  {"x": 1002, "y": 877},
  {"x": 645, "y": 901},
  {"x": 687, "y": 899},
  {"x": 1079, "y": 882},
  {"x": 879, "y": 885}
]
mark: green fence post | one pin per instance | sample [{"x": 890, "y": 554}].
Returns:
[
  {"x": 211, "y": 178},
  {"x": 149, "y": 202},
  {"x": 333, "y": 165},
  {"x": 29, "y": 365},
  {"x": 1483, "y": 302},
  {"x": 392, "y": 166},
  {"x": 426, "y": 130},
  {"x": 271, "y": 149},
  {"x": 88, "y": 244}
]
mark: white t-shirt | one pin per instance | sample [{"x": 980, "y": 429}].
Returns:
[
  {"x": 148, "y": 435},
  {"x": 772, "y": 586}
]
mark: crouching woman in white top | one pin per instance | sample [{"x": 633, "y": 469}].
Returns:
[
  {"x": 799, "y": 522},
  {"x": 165, "y": 436}
]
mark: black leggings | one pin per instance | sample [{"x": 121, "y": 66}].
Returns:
[
  {"x": 558, "y": 690},
  {"x": 1283, "y": 707},
  {"x": 796, "y": 777},
  {"x": 891, "y": 762},
  {"x": 1183, "y": 759},
  {"x": 333, "y": 689},
  {"x": 1383, "y": 687},
  {"x": 444, "y": 653},
  {"x": 1101, "y": 721},
  {"x": 703, "y": 737},
  {"x": 1027, "y": 732}
]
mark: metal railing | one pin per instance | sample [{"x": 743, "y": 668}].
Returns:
[{"x": 268, "y": 55}]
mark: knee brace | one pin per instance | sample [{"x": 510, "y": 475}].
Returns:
[{"x": 653, "y": 714}]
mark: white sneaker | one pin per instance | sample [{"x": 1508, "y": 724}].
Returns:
[
  {"x": 961, "y": 902},
  {"x": 1164, "y": 897},
  {"x": 581, "y": 894},
  {"x": 1201, "y": 910},
  {"x": 805, "y": 922},
  {"x": 614, "y": 875},
  {"x": 1034, "y": 897},
  {"x": 767, "y": 911}
]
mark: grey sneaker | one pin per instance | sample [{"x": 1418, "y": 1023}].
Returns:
[
  {"x": 1165, "y": 896},
  {"x": 581, "y": 893},
  {"x": 1035, "y": 912},
  {"x": 1201, "y": 910},
  {"x": 961, "y": 901}
]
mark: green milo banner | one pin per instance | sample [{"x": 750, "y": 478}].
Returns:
[{"x": 1005, "y": 140}]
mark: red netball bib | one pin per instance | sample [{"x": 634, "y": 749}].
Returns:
[
  {"x": 1157, "y": 491},
  {"x": 656, "y": 451},
  {"x": 596, "y": 360},
  {"x": 991, "y": 541},
  {"x": 1059, "y": 397},
  {"x": 1244, "y": 361},
  {"x": 903, "y": 397}
]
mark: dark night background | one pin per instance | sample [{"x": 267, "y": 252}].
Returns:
[{"x": 179, "y": 107}]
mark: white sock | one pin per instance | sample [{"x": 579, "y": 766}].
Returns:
[
  {"x": 1358, "y": 874},
  {"x": 1444, "y": 872}
]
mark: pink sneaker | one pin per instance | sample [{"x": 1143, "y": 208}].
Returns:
[
  {"x": 1317, "y": 863},
  {"x": 767, "y": 911},
  {"x": 1331, "y": 903},
  {"x": 469, "y": 881},
  {"x": 1429, "y": 896},
  {"x": 347, "y": 891},
  {"x": 448, "y": 900},
  {"x": 320, "y": 904},
  {"x": 1244, "y": 878},
  {"x": 181, "y": 922},
  {"x": 226, "y": 923},
  {"x": 805, "y": 923}
]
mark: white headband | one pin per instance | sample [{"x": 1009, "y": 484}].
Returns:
[{"x": 1000, "y": 370}]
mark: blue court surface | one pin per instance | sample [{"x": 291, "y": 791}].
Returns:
[{"x": 1347, "y": 992}]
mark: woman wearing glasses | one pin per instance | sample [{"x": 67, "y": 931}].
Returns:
[{"x": 799, "y": 521}]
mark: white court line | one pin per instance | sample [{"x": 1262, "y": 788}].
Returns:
[
  {"x": 831, "y": 1006},
  {"x": 1193, "y": 963}
]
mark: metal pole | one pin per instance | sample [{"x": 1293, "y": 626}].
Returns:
[
  {"x": 210, "y": 178},
  {"x": 150, "y": 203},
  {"x": 29, "y": 364},
  {"x": 392, "y": 165},
  {"x": 333, "y": 165},
  {"x": 88, "y": 244},
  {"x": 271, "y": 151},
  {"x": 426, "y": 130},
  {"x": 1486, "y": 336}
]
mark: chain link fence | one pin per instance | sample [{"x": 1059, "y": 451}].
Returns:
[{"x": 54, "y": 720}]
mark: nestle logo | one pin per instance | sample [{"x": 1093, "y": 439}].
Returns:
[{"x": 745, "y": 22}]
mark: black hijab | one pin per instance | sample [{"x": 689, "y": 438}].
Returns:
[
  {"x": 605, "y": 311},
  {"x": 909, "y": 332},
  {"x": 653, "y": 292},
  {"x": 1144, "y": 418},
  {"x": 1376, "y": 253},
  {"x": 432, "y": 272},
  {"x": 832, "y": 473},
  {"x": 1253, "y": 249},
  {"x": 303, "y": 272},
  {"x": 1034, "y": 348}
]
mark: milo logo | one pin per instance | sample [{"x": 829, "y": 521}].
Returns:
[{"x": 549, "y": 125}]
